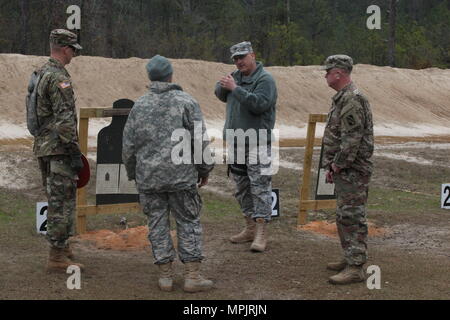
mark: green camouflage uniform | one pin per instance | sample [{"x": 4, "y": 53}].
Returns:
[
  {"x": 164, "y": 186},
  {"x": 56, "y": 140},
  {"x": 348, "y": 143}
]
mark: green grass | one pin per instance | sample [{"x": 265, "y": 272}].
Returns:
[
  {"x": 15, "y": 208},
  {"x": 216, "y": 208},
  {"x": 14, "y": 205},
  {"x": 392, "y": 201}
]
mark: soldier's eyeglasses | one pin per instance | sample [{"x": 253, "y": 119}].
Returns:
[
  {"x": 330, "y": 72},
  {"x": 239, "y": 57}
]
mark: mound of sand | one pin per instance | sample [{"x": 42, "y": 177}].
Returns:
[
  {"x": 415, "y": 101},
  {"x": 121, "y": 240}
]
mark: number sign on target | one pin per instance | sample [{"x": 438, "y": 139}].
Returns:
[{"x": 445, "y": 196}]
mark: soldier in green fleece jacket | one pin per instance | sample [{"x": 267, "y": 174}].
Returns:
[{"x": 250, "y": 94}]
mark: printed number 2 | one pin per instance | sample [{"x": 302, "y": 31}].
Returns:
[
  {"x": 274, "y": 203},
  {"x": 43, "y": 226},
  {"x": 446, "y": 202}
]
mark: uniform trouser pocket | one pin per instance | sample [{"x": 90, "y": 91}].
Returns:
[
  {"x": 186, "y": 206},
  {"x": 61, "y": 194},
  {"x": 156, "y": 208},
  {"x": 351, "y": 193}
]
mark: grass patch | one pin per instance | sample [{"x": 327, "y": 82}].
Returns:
[
  {"x": 217, "y": 208},
  {"x": 14, "y": 206},
  {"x": 17, "y": 208},
  {"x": 391, "y": 200}
]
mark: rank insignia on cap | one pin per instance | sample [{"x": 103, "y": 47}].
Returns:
[{"x": 64, "y": 84}]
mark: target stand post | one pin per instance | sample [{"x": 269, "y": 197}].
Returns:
[
  {"x": 305, "y": 202},
  {"x": 83, "y": 210}
]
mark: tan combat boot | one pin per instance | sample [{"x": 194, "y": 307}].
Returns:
[
  {"x": 259, "y": 243},
  {"x": 246, "y": 235},
  {"x": 58, "y": 261},
  {"x": 193, "y": 281},
  {"x": 165, "y": 281},
  {"x": 337, "y": 266},
  {"x": 350, "y": 274}
]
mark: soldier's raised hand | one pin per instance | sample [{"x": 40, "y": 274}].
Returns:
[{"x": 228, "y": 82}]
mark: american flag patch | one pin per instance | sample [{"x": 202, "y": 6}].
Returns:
[{"x": 64, "y": 84}]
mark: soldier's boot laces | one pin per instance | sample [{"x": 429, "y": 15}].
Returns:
[
  {"x": 246, "y": 235},
  {"x": 165, "y": 281},
  {"x": 58, "y": 261},
  {"x": 337, "y": 266},
  {"x": 350, "y": 274},
  {"x": 193, "y": 281},
  {"x": 260, "y": 241}
]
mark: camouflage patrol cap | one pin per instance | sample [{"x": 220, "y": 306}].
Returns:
[
  {"x": 241, "y": 49},
  {"x": 64, "y": 37},
  {"x": 340, "y": 61}
]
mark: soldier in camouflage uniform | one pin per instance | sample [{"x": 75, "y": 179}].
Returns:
[
  {"x": 165, "y": 184},
  {"x": 348, "y": 146},
  {"x": 56, "y": 146},
  {"x": 250, "y": 94}
]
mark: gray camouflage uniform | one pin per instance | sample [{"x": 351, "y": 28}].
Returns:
[
  {"x": 348, "y": 143},
  {"x": 163, "y": 185}
]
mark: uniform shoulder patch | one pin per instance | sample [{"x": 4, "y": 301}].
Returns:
[
  {"x": 351, "y": 120},
  {"x": 351, "y": 103},
  {"x": 64, "y": 84}
]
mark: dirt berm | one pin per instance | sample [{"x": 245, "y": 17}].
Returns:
[{"x": 400, "y": 98}]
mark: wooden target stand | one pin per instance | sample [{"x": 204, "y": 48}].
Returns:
[
  {"x": 84, "y": 210},
  {"x": 305, "y": 202}
]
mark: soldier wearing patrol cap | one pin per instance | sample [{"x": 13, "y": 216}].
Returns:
[
  {"x": 347, "y": 149},
  {"x": 56, "y": 146},
  {"x": 250, "y": 94}
]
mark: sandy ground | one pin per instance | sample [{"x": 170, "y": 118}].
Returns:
[
  {"x": 410, "y": 234},
  {"x": 409, "y": 241}
]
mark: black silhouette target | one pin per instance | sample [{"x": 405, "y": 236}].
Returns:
[{"x": 112, "y": 183}]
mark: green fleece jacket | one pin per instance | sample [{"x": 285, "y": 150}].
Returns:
[{"x": 252, "y": 104}]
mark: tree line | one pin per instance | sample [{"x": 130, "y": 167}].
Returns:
[{"x": 413, "y": 34}]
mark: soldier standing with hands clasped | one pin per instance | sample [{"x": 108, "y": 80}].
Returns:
[
  {"x": 348, "y": 146},
  {"x": 56, "y": 146}
]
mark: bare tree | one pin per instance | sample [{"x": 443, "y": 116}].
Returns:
[
  {"x": 25, "y": 26},
  {"x": 109, "y": 6},
  {"x": 288, "y": 12},
  {"x": 392, "y": 27}
]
